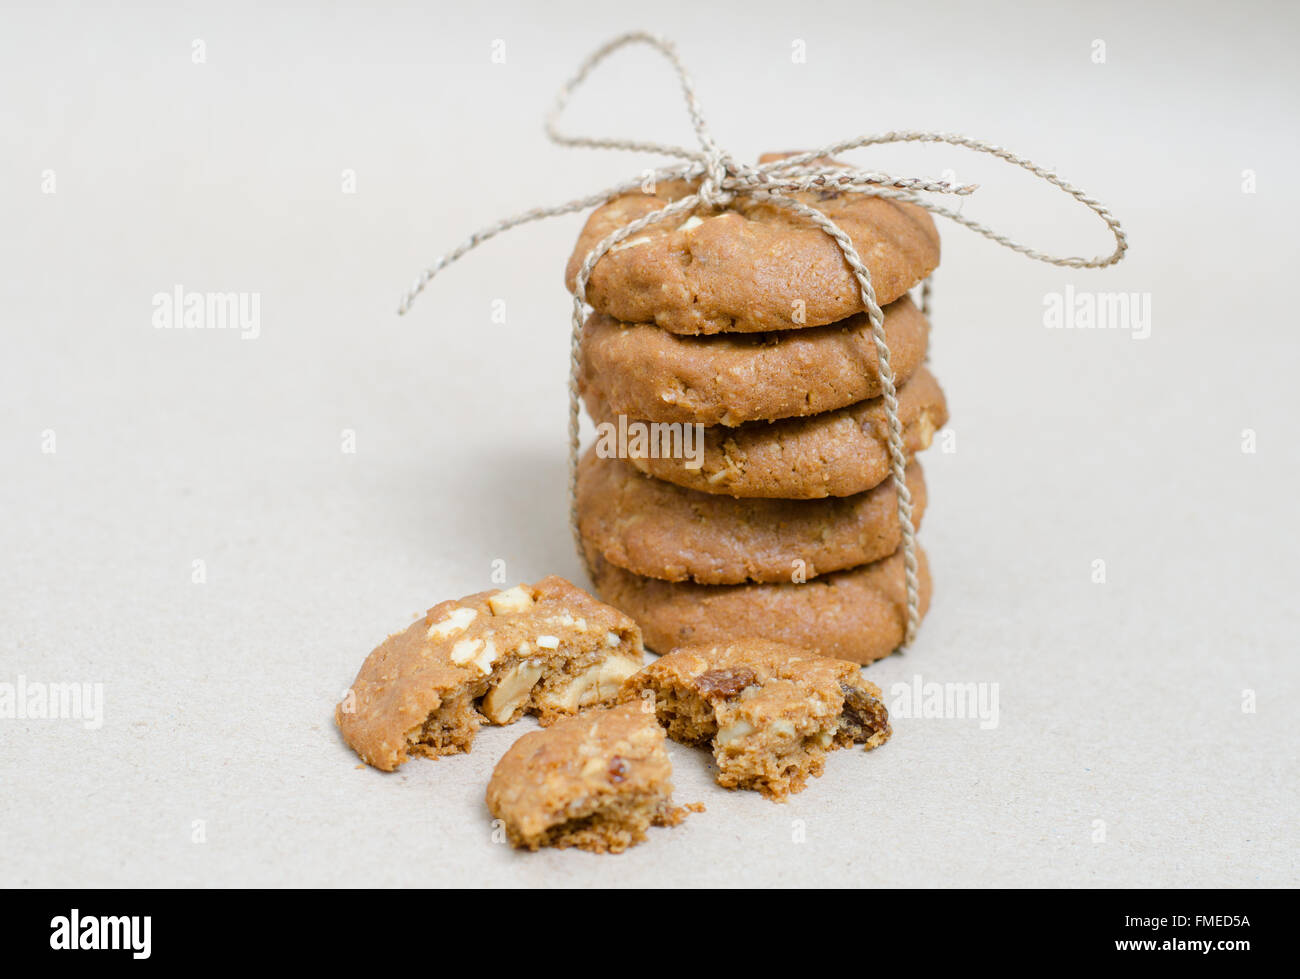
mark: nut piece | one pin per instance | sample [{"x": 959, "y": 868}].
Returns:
[
  {"x": 598, "y": 682},
  {"x": 737, "y": 730},
  {"x": 457, "y": 620},
  {"x": 516, "y": 599},
  {"x": 511, "y": 691}
]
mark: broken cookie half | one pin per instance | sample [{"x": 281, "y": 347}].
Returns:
[
  {"x": 548, "y": 649},
  {"x": 597, "y": 781},
  {"x": 769, "y": 711}
]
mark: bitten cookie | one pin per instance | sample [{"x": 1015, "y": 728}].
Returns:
[
  {"x": 661, "y": 530},
  {"x": 769, "y": 711},
  {"x": 754, "y": 266},
  {"x": 597, "y": 781},
  {"x": 642, "y": 371},
  {"x": 547, "y": 649},
  {"x": 858, "y": 615},
  {"x": 837, "y": 453}
]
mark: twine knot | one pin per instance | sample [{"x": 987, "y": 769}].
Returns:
[{"x": 721, "y": 176}]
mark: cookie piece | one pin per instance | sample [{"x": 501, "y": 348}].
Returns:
[
  {"x": 642, "y": 371},
  {"x": 548, "y": 649},
  {"x": 661, "y": 530},
  {"x": 597, "y": 781},
  {"x": 754, "y": 266},
  {"x": 769, "y": 711},
  {"x": 858, "y": 615},
  {"x": 836, "y": 453}
]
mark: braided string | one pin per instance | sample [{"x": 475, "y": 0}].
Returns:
[{"x": 720, "y": 181}]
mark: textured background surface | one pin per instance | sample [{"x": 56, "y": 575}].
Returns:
[{"x": 1119, "y": 702}]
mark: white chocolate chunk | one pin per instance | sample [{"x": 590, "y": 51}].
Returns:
[
  {"x": 485, "y": 659},
  {"x": 694, "y": 221},
  {"x": 630, "y": 243},
  {"x": 511, "y": 691},
  {"x": 457, "y": 620},
  {"x": 514, "y": 599},
  {"x": 612, "y": 639},
  {"x": 783, "y": 728},
  {"x": 734, "y": 731},
  {"x": 466, "y": 650},
  {"x": 925, "y": 425},
  {"x": 548, "y": 642}
]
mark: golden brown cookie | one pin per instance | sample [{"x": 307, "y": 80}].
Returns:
[
  {"x": 642, "y": 371},
  {"x": 662, "y": 530},
  {"x": 548, "y": 649},
  {"x": 858, "y": 615},
  {"x": 597, "y": 781},
  {"x": 754, "y": 266},
  {"x": 769, "y": 711},
  {"x": 836, "y": 453}
]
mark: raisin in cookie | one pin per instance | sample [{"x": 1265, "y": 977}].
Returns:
[
  {"x": 859, "y": 614},
  {"x": 769, "y": 711},
  {"x": 597, "y": 781},
  {"x": 754, "y": 266},
  {"x": 661, "y": 530},
  {"x": 642, "y": 371},
  {"x": 548, "y": 649},
  {"x": 836, "y": 453}
]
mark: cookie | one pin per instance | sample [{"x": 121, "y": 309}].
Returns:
[
  {"x": 662, "y": 530},
  {"x": 548, "y": 649},
  {"x": 859, "y": 614},
  {"x": 642, "y": 371},
  {"x": 769, "y": 711},
  {"x": 836, "y": 453},
  {"x": 754, "y": 266},
  {"x": 597, "y": 781}
]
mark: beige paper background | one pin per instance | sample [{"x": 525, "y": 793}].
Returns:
[{"x": 1119, "y": 702}]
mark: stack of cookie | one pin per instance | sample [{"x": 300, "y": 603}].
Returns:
[{"x": 741, "y": 483}]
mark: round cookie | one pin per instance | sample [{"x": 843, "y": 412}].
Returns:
[
  {"x": 754, "y": 266},
  {"x": 642, "y": 371},
  {"x": 660, "y": 530},
  {"x": 858, "y": 615},
  {"x": 836, "y": 453}
]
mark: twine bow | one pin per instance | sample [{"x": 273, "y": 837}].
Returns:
[{"x": 721, "y": 179}]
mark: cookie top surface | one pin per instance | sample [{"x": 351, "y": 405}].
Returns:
[
  {"x": 556, "y": 774},
  {"x": 836, "y": 453},
  {"x": 458, "y": 645},
  {"x": 721, "y": 671},
  {"x": 754, "y": 266},
  {"x": 656, "y": 528},
  {"x": 859, "y": 614},
  {"x": 643, "y": 371}
]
